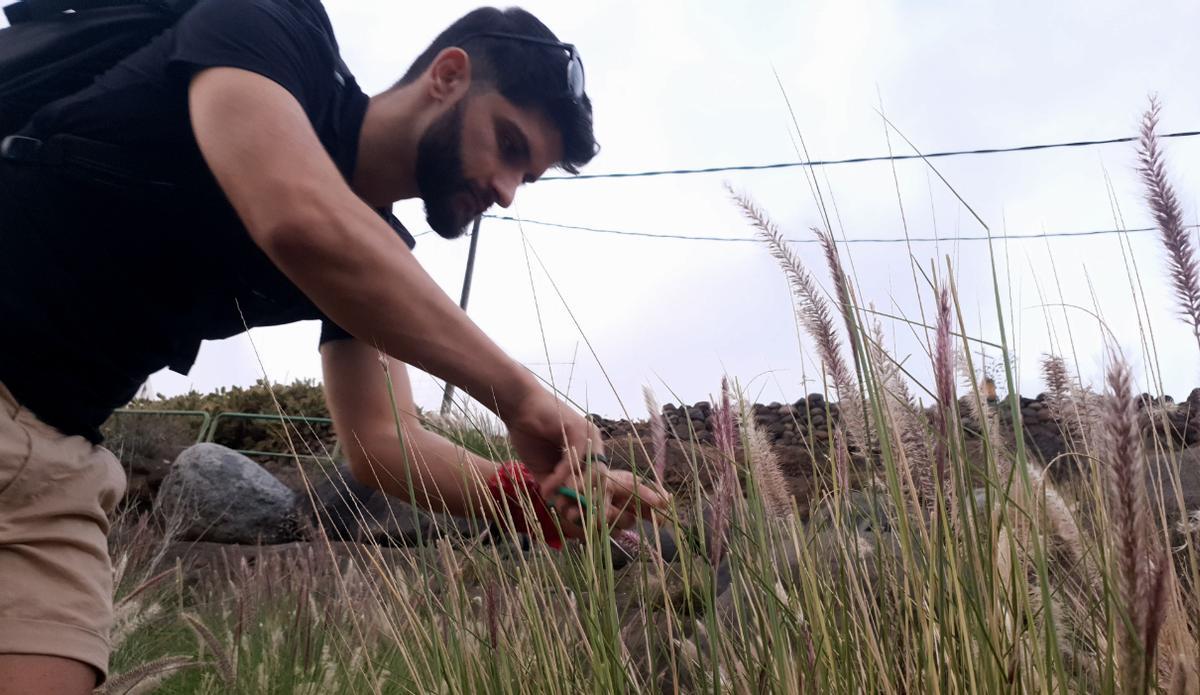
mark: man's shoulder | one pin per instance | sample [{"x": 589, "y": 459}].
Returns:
[{"x": 302, "y": 22}]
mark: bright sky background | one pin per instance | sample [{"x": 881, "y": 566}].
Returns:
[{"x": 687, "y": 84}]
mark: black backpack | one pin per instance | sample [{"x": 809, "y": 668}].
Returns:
[{"x": 54, "y": 48}]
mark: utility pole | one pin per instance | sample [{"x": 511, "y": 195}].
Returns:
[{"x": 466, "y": 294}]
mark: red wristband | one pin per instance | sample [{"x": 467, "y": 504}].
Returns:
[{"x": 512, "y": 487}]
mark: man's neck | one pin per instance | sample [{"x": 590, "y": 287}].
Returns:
[{"x": 387, "y": 147}]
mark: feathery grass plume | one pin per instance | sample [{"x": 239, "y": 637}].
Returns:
[
  {"x": 658, "y": 434},
  {"x": 1168, "y": 217},
  {"x": 1058, "y": 385},
  {"x": 129, "y": 617},
  {"x": 911, "y": 449},
  {"x": 943, "y": 374},
  {"x": 1155, "y": 607},
  {"x": 726, "y": 489},
  {"x": 1060, "y": 399},
  {"x": 760, "y": 455},
  {"x": 1075, "y": 408},
  {"x": 145, "y": 678},
  {"x": 491, "y": 602},
  {"x": 1127, "y": 513},
  {"x": 841, "y": 285},
  {"x": 813, "y": 313},
  {"x": 224, "y": 663}
]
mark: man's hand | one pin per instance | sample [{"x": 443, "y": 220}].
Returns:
[
  {"x": 559, "y": 448},
  {"x": 624, "y": 499},
  {"x": 599, "y": 496},
  {"x": 549, "y": 436}
]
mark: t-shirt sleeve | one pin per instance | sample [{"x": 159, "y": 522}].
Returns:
[
  {"x": 332, "y": 331},
  {"x": 274, "y": 38}
]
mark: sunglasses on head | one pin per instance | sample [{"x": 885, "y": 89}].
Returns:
[{"x": 574, "y": 62}]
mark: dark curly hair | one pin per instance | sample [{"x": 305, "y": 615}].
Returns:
[{"x": 530, "y": 75}]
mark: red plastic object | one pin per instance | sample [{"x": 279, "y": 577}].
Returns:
[{"x": 513, "y": 484}]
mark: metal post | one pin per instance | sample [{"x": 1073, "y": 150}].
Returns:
[{"x": 466, "y": 294}]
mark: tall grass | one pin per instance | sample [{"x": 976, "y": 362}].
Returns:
[{"x": 932, "y": 557}]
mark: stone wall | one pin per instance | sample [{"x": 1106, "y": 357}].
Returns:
[{"x": 791, "y": 426}]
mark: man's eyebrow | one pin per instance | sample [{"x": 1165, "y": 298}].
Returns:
[{"x": 520, "y": 142}]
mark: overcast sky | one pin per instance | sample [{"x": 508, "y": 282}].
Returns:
[{"x": 691, "y": 84}]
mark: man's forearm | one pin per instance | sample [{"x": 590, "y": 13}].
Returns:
[
  {"x": 356, "y": 270},
  {"x": 428, "y": 471}
]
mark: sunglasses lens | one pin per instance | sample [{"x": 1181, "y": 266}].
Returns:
[{"x": 575, "y": 76}]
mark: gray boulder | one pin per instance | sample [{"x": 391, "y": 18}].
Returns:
[{"x": 221, "y": 496}]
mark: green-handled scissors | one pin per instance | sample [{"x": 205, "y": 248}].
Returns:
[{"x": 576, "y": 495}]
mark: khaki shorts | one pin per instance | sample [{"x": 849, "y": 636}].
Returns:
[{"x": 56, "y": 493}]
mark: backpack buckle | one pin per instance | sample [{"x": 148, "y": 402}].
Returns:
[{"x": 21, "y": 148}]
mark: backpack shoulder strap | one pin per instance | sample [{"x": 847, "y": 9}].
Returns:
[{"x": 38, "y": 10}]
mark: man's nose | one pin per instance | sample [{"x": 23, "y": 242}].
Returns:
[{"x": 504, "y": 187}]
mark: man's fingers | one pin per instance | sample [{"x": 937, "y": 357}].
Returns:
[
  {"x": 642, "y": 496},
  {"x": 621, "y": 518},
  {"x": 557, "y": 478}
]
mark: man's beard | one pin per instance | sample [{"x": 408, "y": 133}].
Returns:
[{"x": 440, "y": 175}]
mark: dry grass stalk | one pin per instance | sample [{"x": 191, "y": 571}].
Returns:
[
  {"x": 943, "y": 373},
  {"x": 910, "y": 447},
  {"x": 145, "y": 678},
  {"x": 1073, "y": 407},
  {"x": 760, "y": 455},
  {"x": 841, "y": 284},
  {"x": 658, "y": 434},
  {"x": 1058, "y": 385},
  {"x": 1137, "y": 587},
  {"x": 814, "y": 314},
  {"x": 1076, "y": 582},
  {"x": 225, "y": 666},
  {"x": 129, "y": 617},
  {"x": 1168, "y": 217},
  {"x": 726, "y": 489},
  {"x": 491, "y": 602},
  {"x": 841, "y": 461}
]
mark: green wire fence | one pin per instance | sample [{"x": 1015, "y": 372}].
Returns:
[{"x": 209, "y": 424}]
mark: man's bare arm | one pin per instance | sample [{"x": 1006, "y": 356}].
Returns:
[
  {"x": 444, "y": 477},
  {"x": 383, "y": 453},
  {"x": 258, "y": 142}
]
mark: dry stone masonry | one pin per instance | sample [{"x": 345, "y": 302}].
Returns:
[{"x": 791, "y": 427}]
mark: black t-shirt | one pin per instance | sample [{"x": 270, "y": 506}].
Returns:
[{"x": 106, "y": 278}]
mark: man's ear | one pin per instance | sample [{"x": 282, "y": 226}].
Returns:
[{"x": 450, "y": 74}]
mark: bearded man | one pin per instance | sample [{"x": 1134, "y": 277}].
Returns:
[{"x": 232, "y": 174}]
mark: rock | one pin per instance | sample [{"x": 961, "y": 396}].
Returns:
[
  {"x": 224, "y": 497},
  {"x": 1161, "y": 479},
  {"x": 352, "y": 511}
]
